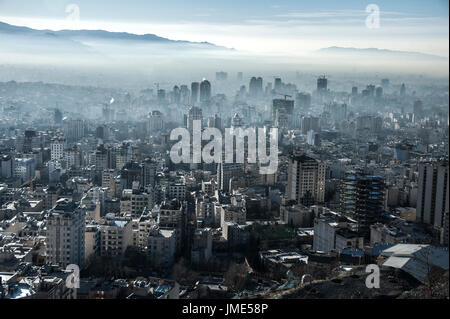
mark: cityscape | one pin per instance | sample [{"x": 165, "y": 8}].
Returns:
[{"x": 163, "y": 165}]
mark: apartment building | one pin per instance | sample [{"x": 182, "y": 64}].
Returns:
[
  {"x": 65, "y": 234},
  {"x": 306, "y": 180}
]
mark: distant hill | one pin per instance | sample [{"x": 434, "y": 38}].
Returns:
[
  {"x": 98, "y": 51},
  {"x": 88, "y": 38},
  {"x": 379, "y": 53}
]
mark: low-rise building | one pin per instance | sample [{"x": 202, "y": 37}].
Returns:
[
  {"x": 162, "y": 247},
  {"x": 116, "y": 235}
]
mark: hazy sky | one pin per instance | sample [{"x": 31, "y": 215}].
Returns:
[{"x": 258, "y": 26}]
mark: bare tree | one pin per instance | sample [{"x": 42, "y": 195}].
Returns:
[
  {"x": 433, "y": 276},
  {"x": 181, "y": 272},
  {"x": 236, "y": 277}
]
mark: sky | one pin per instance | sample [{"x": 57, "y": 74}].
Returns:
[{"x": 283, "y": 27}]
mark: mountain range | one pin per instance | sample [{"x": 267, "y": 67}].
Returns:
[
  {"x": 105, "y": 50},
  {"x": 87, "y": 40},
  {"x": 8, "y": 29},
  {"x": 375, "y": 52}
]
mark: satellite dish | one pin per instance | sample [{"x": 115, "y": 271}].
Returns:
[{"x": 306, "y": 278}]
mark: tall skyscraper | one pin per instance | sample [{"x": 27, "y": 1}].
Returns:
[
  {"x": 195, "y": 113},
  {"x": 306, "y": 179},
  {"x": 278, "y": 84},
  {"x": 282, "y": 104},
  {"x": 205, "y": 91},
  {"x": 379, "y": 92},
  {"x": 362, "y": 198},
  {"x": 302, "y": 101},
  {"x": 195, "y": 90},
  {"x": 433, "y": 193},
  {"x": 184, "y": 94},
  {"x": 65, "y": 241},
  {"x": 322, "y": 83},
  {"x": 255, "y": 88},
  {"x": 176, "y": 95},
  {"x": 371, "y": 89}
]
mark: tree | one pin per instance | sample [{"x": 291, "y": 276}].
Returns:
[
  {"x": 433, "y": 275},
  {"x": 134, "y": 257},
  {"x": 181, "y": 272},
  {"x": 236, "y": 277}
]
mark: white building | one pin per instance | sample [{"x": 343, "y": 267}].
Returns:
[
  {"x": 324, "y": 235},
  {"x": 116, "y": 234},
  {"x": 57, "y": 147},
  {"x": 297, "y": 215},
  {"x": 334, "y": 232}
]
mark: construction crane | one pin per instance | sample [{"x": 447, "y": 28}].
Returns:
[
  {"x": 29, "y": 183},
  {"x": 157, "y": 85}
]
